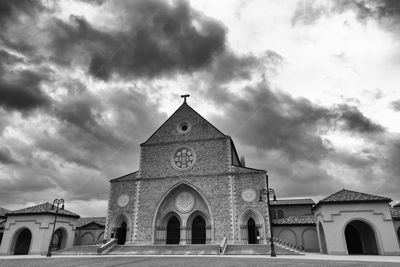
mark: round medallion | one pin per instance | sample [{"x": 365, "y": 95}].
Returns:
[
  {"x": 123, "y": 200},
  {"x": 184, "y": 202},
  {"x": 183, "y": 159},
  {"x": 249, "y": 195}
]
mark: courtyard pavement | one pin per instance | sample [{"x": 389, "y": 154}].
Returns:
[{"x": 310, "y": 259}]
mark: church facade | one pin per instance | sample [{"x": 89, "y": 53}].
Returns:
[{"x": 191, "y": 188}]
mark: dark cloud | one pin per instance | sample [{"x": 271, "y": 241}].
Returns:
[
  {"x": 5, "y": 156},
  {"x": 12, "y": 10},
  {"x": 352, "y": 119},
  {"x": 161, "y": 39},
  {"x": 274, "y": 120},
  {"x": 20, "y": 90},
  {"x": 395, "y": 105}
]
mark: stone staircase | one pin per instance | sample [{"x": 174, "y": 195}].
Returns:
[
  {"x": 78, "y": 250},
  {"x": 255, "y": 249},
  {"x": 165, "y": 250}
]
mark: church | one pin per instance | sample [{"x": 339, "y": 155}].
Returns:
[{"x": 193, "y": 193}]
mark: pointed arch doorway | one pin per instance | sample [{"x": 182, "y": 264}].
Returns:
[
  {"x": 173, "y": 231},
  {"x": 252, "y": 231},
  {"x": 121, "y": 234},
  {"x": 199, "y": 230}
]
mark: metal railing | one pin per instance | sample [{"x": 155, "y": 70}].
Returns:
[{"x": 107, "y": 246}]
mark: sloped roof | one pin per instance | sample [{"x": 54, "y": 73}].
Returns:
[
  {"x": 44, "y": 208},
  {"x": 293, "y": 220},
  {"x": 397, "y": 205},
  {"x": 347, "y": 196},
  {"x": 3, "y": 212},
  {"x": 85, "y": 221},
  {"x": 296, "y": 201},
  {"x": 395, "y": 214},
  {"x": 127, "y": 177},
  {"x": 238, "y": 169}
]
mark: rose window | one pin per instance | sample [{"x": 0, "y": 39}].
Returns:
[{"x": 183, "y": 159}]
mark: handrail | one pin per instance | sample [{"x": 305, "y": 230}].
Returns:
[
  {"x": 222, "y": 246},
  {"x": 107, "y": 246}
]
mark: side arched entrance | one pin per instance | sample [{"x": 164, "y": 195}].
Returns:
[
  {"x": 120, "y": 229},
  {"x": 59, "y": 239},
  {"x": 251, "y": 227},
  {"x": 21, "y": 242},
  {"x": 360, "y": 238}
]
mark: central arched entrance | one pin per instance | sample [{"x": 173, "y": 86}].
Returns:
[
  {"x": 173, "y": 231},
  {"x": 121, "y": 233},
  {"x": 22, "y": 242},
  {"x": 252, "y": 231},
  {"x": 199, "y": 230},
  {"x": 360, "y": 238}
]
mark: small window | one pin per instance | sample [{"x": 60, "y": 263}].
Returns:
[
  {"x": 184, "y": 127},
  {"x": 280, "y": 214},
  {"x": 273, "y": 214}
]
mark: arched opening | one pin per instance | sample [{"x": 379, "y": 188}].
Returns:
[
  {"x": 57, "y": 240},
  {"x": 86, "y": 239},
  {"x": 360, "y": 238},
  {"x": 22, "y": 242},
  {"x": 273, "y": 214},
  {"x": 121, "y": 234},
  {"x": 252, "y": 231},
  {"x": 310, "y": 240},
  {"x": 199, "y": 230},
  {"x": 280, "y": 214},
  {"x": 398, "y": 234},
  {"x": 322, "y": 239},
  {"x": 173, "y": 231}
]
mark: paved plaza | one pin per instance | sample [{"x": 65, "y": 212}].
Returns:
[{"x": 103, "y": 261}]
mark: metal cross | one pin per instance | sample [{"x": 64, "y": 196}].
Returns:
[{"x": 184, "y": 98}]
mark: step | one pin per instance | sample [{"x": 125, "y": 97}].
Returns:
[
  {"x": 165, "y": 250},
  {"x": 78, "y": 250},
  {"x": 256, "y": 249}
]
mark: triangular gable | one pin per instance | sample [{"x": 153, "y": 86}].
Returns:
[
  {"x": 200, "y": 128},
  {"x": 127, "y": 177},
  {"x": 347, "y": 196}
]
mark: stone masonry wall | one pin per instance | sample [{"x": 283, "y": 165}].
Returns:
[
  {"x": 118, "y": 189},
  {"x": 212, "y": 158},
  {"x": 256, "y": 182}
]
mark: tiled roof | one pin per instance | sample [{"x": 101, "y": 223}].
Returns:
[
  {"x": 3, "y": 211},
  {"x": 126, "y": 177},
  {"x": 347, "y": 196},
  {"x": 297, "y": 201},
  {"x": 85, "y": 221},
  {"x": 303, "y": 219},
  {"x": 395, "y": 214},
  {"x": 44, "y": 208}
]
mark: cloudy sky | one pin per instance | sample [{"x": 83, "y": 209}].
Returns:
[{"x": 308, "y": 90}]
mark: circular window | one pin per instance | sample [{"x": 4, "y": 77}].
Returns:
[
  {"x": 183, "y": 159},
  {"x": 184, "y": 127}
]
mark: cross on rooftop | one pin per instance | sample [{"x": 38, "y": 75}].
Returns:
[{"x": 184, "y": 98}]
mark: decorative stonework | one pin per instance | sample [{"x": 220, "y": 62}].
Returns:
[
  {"x": 185, "y": 202},
  {"x": 183, "y": 159},
  {"x": 123, "y": 200},
  {"x": 249, "y": 195}
]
